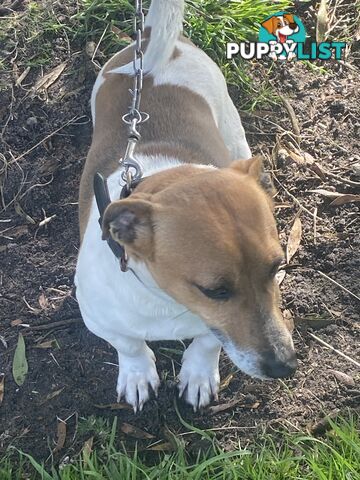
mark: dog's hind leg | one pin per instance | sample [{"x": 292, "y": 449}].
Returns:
[{"x": 199, "y": 375}]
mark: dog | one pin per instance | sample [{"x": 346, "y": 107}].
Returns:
[
  {"x": 198, "y": 230},
  {"x": 281, "y": 27}
]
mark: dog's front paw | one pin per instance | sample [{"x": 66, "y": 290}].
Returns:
[
  {"x": 198, "y": 383},
  {"x": 135, "y": 376}
]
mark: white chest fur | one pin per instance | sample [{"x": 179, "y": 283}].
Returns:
[{"x": 116, "y": 303}]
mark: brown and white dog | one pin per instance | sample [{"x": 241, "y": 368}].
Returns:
[{"x": 199, "y": 229}]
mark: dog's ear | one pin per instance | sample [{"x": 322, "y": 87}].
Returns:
[
  {"x": 254, "y": 167},
  {"x": 270, "y": 25},
  {"x": 129, "y": 222},
  {"x": 292, "y": 24}
]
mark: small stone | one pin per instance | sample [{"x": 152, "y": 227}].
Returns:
[
  {"x": 356, "y": 169},
  {"x": 31, "y": 121}
]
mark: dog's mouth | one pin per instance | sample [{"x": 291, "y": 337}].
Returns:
[
  {"x": 282, "y": 38},
  {"x": 264, "y": 366}
]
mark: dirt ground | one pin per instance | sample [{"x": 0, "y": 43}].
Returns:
[{"x": 46, "y": 134}]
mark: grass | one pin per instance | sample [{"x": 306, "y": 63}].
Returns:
[
  {"x": 31, "y": 35},
  {"x": 209, "y": 23},
  {"x": 336, "y": 456}
]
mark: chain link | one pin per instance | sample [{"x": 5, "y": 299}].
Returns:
[{"x": 132, "y": 170}]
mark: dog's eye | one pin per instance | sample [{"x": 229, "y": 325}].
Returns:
[{"x": 219, "y": 293}]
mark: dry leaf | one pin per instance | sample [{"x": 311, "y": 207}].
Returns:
[
  {"x": 345, "y": 198},
  {"x": 161, "y": 447},
  {"x": 309, "y": 159},
  {"x": 47, "y": 80},
  {"x": 343, "y": 378},
  {"x": 47, "y": 344},
  {"x": 314, "y": 321},
  {"x": 294, "y": 239},
  {"x": 135, "y": 432},
  {"x": 316, "y": 168},
  {"x": 14, "y": 323},
  {"x": 280, "y": 276},
  {"x": 2, "y": 388},
  {"x": 224, "y": 406},
  {"x": 226, "y": 382},
  {"x": 52, "y": 395},
  {"x": 61, "y": 436},
  {"x": 339, "y": 198},
  {"x": 299, "y": 159},
  {"x": 88, "y": 445},
  {"x": 20, "y": 365},
  {"x": 326, "y": 193},
  {"x": 115, "y": 406},
  {"x": 43, "y": 301},
  {"x": 120, "y": 34},
  {"x": 22, "y": 213}
]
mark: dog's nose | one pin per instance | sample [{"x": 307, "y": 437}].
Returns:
[{"x": 275, "y": 368}]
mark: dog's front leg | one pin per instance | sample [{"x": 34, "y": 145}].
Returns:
[
  {"x": 199, "y": 374},
  {"x": 136, "y": 371}
]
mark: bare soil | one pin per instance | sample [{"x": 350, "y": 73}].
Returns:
[{"x": 46, "y": 135}]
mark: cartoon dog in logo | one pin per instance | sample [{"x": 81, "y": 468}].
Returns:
[{"x": 281, "y": 27}]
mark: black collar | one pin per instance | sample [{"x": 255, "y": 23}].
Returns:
[{"x": 103, "y": 199}]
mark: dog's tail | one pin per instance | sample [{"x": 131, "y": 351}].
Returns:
[{"x": 165, "y": 17}]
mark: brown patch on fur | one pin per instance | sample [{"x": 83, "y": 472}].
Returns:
[{"x": 179, "y": 129}]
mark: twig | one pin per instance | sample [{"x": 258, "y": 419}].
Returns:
[
  {"x": 319, "y": 340},
  {"x": 292, "y": 115},
  {"x": 218, "y": 429},
  {"x": 339, "y": 285},
  {"x": 315, "y": 217},
  {"x": 293, "y": 197},
  {"x": 348, "y": 65},
  {"x": 333, "y": 175},
  {"x": 97, "y": 47},
  {"x": 62, "y": 323},
  {"x": 44, "y": 140}
]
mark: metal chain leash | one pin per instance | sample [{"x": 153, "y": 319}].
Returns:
[{"x": 132, "y": 171}]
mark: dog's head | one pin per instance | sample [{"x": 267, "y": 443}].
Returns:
[
  {"x": 208, "y": 237},
  {"x": 281, "y": 26}
]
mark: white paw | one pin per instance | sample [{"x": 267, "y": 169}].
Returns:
[
  {"x": 199, "y": 382},
  {"x": 135, "y": 375}
]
